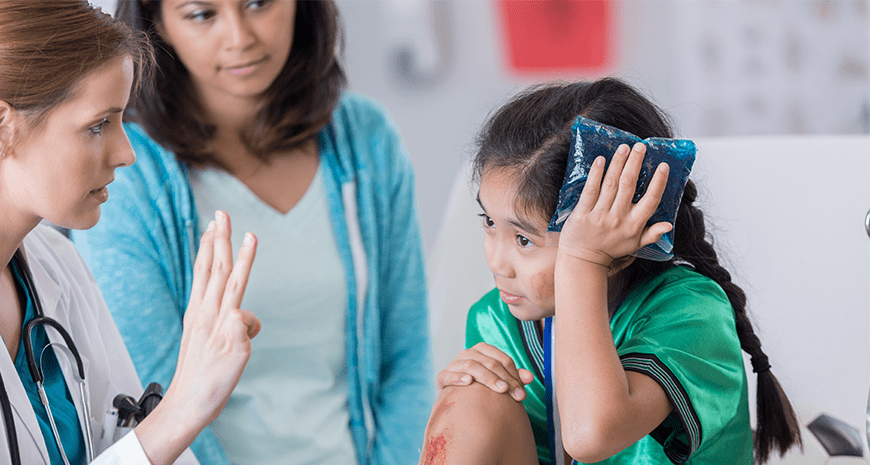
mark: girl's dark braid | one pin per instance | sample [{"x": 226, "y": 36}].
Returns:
[{"x": 777, "y": 425}]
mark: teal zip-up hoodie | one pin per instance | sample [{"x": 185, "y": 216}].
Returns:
[{"x": 142, "y": 253}]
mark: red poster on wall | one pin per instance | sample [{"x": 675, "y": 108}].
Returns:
[{"x": 555, "y": 35}]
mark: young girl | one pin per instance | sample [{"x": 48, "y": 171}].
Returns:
[{"x": 646, "y": 356}]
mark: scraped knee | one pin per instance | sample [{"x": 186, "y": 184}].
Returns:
[{"x": 476, "y": 425}]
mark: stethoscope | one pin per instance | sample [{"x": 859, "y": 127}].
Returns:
[{"x": 36, "y": 372}]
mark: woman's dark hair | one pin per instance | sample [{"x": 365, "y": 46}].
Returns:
[
  {"x": 297, "y": 105},
  {"x": 530, "y": 136},
  {"x": 47, "y": 46}
]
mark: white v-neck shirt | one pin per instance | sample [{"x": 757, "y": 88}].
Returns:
[{"x": 291, "y": 404}]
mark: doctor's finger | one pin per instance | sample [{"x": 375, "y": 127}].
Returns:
[
  {"x": 249, "y": 321},
  {"x": 238, "y": 280},
  {"x": 238, "y": 327},
  {"x": 222, "y": 262},
  {"x": 202, "y": 265}
]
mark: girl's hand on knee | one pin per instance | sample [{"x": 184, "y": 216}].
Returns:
[
  {"x": 489, "y": 366},
  {"x": 605, "y": 225}
]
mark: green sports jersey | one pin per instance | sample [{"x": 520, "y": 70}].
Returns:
[{"x": 677, "y": 328}]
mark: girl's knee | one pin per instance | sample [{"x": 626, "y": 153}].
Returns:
[
  {"x": 473, "y": 424},
  {"x": 474, "y": 406}
]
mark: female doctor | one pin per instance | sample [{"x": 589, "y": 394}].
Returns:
[{"x": 66, "y": 71}]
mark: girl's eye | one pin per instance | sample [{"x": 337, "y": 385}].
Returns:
[
  {"x": 98, "y": 128},
  {"x": 487, "y": 221},
  {"x": 523, "y": 241}
]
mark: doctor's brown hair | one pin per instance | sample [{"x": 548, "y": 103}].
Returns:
[
  {"x": 531, "y": 135},
  {"x": 297, "y": 105},
  {"x": 48, "y": 46}
]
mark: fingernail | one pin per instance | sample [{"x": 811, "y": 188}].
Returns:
[
  {"x": 639, "y": 147},
  {"x": 599, "y": 161},
  {"x": 465, "y": 379},
  {"x": 501, "y": 384},
  {"x": 622, "y": 150},
  {"x": 210, "y": 226},
  {"x": 518, "y": 393},
  {"x": 249, "y": 239},
  {"x": 218, "y": 216}
]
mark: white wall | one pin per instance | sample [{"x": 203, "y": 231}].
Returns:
[{"x": 787, "y": 216}]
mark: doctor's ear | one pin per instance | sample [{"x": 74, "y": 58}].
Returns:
[{"x": 11, "y": 124}]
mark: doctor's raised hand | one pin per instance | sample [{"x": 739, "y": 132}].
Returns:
[{"x": 215, "y": 344}]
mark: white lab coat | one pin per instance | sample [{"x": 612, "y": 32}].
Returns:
[{"x": 70, "y": 295}]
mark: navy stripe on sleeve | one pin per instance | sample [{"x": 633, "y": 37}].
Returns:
[{"x": 650, "y": 365}]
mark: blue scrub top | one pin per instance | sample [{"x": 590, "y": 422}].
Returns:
[{"x": 62, "y": 406}]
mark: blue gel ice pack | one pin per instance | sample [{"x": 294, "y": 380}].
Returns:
[{"x": 591, "y": 139}]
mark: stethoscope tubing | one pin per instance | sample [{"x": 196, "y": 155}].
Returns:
[
  {"x": 44, "y": 398},
  {"x": 43, "y": 320},
  {"x": 36, "y": 373},
  {"x": 9, "y": 422}
]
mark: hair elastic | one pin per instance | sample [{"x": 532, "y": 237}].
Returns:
[{"x": 760, "y": 364}]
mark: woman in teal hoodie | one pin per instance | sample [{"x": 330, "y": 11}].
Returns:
[{"x": 248, "y": 112}]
